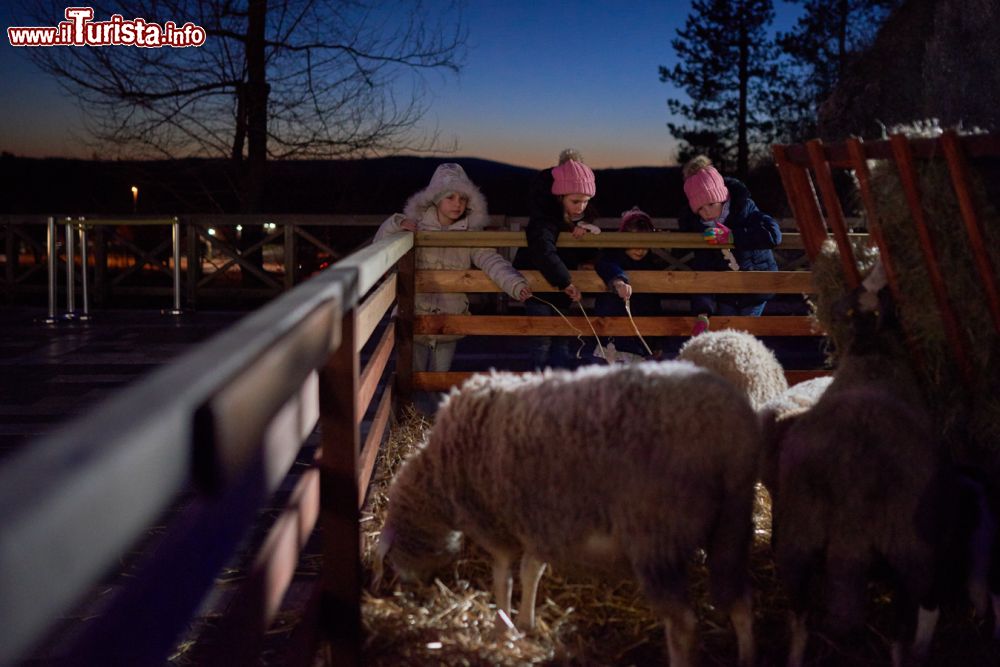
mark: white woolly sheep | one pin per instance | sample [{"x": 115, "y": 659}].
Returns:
[
  {"x": 742, "y": 359},
  {"x": 613, "y": 469},
  {"x": 861, "y": 483}
]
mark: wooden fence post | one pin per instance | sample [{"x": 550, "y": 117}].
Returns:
[
  {"x": 961, "y": 181},
  {"x": 405, "y": 308},
  {"x": 824, "y": 178},
  {"x": 909, "y": 178},
  {"x": 340, "y": 614},
  {"x": 802, "y": 198}
]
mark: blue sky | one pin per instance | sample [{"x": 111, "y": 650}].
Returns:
[{"x": 539, "y": 76}]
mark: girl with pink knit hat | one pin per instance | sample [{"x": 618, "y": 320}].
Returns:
[
  {"x": 722, "y": 210},
  {"x": 559, "y": 201}
]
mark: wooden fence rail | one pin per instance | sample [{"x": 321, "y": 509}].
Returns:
[{"x": 574, "y": 324}]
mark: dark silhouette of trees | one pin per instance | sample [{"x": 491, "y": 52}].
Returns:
[
  {"x": 727, "y": 66},
  {"x": 274, "y": 79}
]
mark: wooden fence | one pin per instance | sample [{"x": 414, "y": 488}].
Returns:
[
  {"x": 195, "y": 258},
  {"x": 664, "y": 282},
  {"x": 208, "y": 440}
]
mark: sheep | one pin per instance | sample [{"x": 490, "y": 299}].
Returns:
[
  {"x": 861, "y": 482},
  {"x": 742, "y": 359},
  {"x": 778, "y": 414},
  {"x": 609, "y": 469}
]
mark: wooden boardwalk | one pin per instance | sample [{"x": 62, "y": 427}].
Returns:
[{"x": 52, "y": 373}]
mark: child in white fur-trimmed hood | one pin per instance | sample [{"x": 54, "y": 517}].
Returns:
[{"x": 451, "y": 202}]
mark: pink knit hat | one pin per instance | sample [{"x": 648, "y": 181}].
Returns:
[
  {"x": 705, "y": 186},
  {"x": 573, "y": 178},
  {"x": 636, "y": 220}
]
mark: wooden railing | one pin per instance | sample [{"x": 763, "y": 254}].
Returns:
[
  {"x": 663, "y": 282},
  {"x": 209, "y": 439},
  {"x": 126, "y": 255}
]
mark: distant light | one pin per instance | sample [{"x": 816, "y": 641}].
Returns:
[
  {"x": 434, "y": 646},
  {"x": 211, "y": 231},
  {"x": 135, "y": 191},
  {"x": 239, "y": 228}
]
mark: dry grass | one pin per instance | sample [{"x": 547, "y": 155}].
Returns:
[{"x": 586, "y": 622}]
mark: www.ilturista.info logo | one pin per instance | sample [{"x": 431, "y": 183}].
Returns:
[{"x": 79, "y": 29}]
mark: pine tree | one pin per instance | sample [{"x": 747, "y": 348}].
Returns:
[
  {"x": 727, "y": 65},
  {"x": 827, "y": 37}
]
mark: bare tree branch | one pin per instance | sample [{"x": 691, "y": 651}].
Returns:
[{"x": 343, "y": 78}]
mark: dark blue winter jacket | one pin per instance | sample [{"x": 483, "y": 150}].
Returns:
[
  {"x": 615, "y": 263},
  {"x": 754, "y": 234}
]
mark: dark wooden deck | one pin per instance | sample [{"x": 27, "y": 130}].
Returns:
[{"x": 52, "y": 373}]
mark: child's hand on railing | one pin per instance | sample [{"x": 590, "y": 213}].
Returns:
[
  {"x": 572, "y": 292},
  {"x": 524, "y": 293},
  {"x": 408, "y": 225},
  {"x": 623, "y": 289},
  {"x": 717, "y": 235}
]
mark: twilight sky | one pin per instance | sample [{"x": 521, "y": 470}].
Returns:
[{"x": 540, "y": 75}]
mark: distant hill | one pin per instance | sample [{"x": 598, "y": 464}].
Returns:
[{"x": 372, "y": 186}]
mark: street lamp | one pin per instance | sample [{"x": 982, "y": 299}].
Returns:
[{"x": 135, "y": 197}]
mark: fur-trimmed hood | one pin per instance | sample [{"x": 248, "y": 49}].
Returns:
[{"x": 449, "y": 177}]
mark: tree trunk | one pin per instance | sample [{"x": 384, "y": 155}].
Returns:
[
  {"x": 742, "y": 144},
  {"x": 255, "y": 108}
]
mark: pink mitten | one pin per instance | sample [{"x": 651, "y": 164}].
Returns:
[
  {"x": 717, "y": 235},
  {"x": 700, "y": 325}
]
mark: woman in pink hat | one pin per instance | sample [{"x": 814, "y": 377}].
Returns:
[
  {"x": 559, "y": 202},
  {"x": 722, "y": 210}
]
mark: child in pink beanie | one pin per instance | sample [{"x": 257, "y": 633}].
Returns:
[
  {"x": 722, "y": 210},
  {"x": 559, "y": 202}
]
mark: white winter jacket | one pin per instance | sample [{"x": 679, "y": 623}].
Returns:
[{"x": 421, "y": 208}]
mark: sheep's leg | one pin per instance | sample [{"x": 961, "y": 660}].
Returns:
[
  {"x": 503, "y": 581},
  {"x": 741, "y": 615},
  {"x": 531, "y": 573},
  {"x": 663, "y": 584},
  {"x": 799, "y": 637},
  {"x": 794, "y": 566},
  {"x": 681, "y": 623},
  {"x": 926, "y": 622}
]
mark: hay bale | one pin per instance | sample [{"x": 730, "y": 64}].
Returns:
[
  {"x": 963, "y": 411},
  {"x": 953, "y": 399}
]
